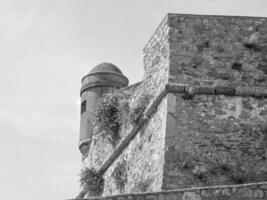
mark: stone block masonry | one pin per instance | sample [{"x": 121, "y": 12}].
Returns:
[
  {"x": 143, "y": 159},
  {"x": 216, "y": 131},
  {"x": 256, "y": 191},
  {"x": 205, "y": 124},
  {"x": 217, "y": 50},
  {"x": 156, "y": 58},
  {"x": 214, "y": 139}
]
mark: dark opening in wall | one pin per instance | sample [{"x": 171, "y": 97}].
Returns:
[
  {"x": 83, "y": 107},
  {"x": 237, "y": 66},
  {"x": 206, "y": 44},
  {"x": 262, "y": 67},
  {"x": 252, "y": 46}
]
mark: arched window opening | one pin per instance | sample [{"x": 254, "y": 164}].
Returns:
[{"x": 83, "y": 107}]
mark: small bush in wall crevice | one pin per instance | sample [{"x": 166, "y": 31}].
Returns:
[
  {"x": 138, "y": 109},
  {"x": 252, "y": 46},
  {"x": 200, "y": 172},
  {"x": 91, "y": 182},
  {"x": 183, "y": 161},
  {"x": 245, "y": 171},
  {"x": 110, "y": 114},
  {"x": 114, "y": 113},
  {"x": 239, "y": 171},
  {"x": 220, "y": 169},
  {"x": 120, "y": 175}
]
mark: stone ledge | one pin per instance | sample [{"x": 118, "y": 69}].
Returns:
[
  {"x": 217, "y": 90},
  {"x": 243, "y": 191}
]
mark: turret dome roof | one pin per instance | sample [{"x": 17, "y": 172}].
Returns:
[{"x": 106, "y": 67}]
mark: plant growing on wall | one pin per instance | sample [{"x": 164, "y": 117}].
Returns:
[
  {"x": 91, "y": 182},
  {"x": 113, "y": 112},
  {"x": 137, "y": 110},
  {"x": 110, "y": 114},
  {"x": 239, "y": 171},
  {"x": 200, "y": 172},
  {"x": 120, "y": 175},
  {"x": 245, "y": 171}
]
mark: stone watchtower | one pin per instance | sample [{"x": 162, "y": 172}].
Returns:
[
  {"x": 98, "y": 81},
  {"x": 203, "y": 132}
]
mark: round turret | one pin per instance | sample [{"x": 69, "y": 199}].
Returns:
[
  {"x": 98, "y": 81},
  {"x": 106, "y": 67}
]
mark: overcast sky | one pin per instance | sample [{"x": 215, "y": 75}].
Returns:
[{"x": 46, "y": 46}]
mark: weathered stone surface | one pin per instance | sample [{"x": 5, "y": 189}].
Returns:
[
  {"x": 264, "y": 187},
  {"x": 214, "y": 50},
  {"x": 245, "y": 91},
  {"x": 191, "y": 196},
  {"x": 245, "y": 192},
  {"x": 211, "y": 136},
  {"x": 121, "y": 198},
  {"x": 100, "y": 150},
  {"x": 144, "y": 158},
  {"x": 151, "y": 197},
  {"x": 100, "y": 79},
  {"x": 161, "y": 197},
  {"x": 258, "y": 194},
  {"x": 225, "y": 90},
  {"x": 140, "y": 197},
  {"x": 171, "y": 196},
  {"x": 230, "y": 192},
  {"x": 212, "y": 129},
  {"x": 156, "y": 60},
  {"x": 206, "y": 90},
  {"x": 260, "y": 92},
  {"x": 241, "y": 192}
]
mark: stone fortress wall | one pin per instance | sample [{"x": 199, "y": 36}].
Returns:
[
  {"x": 253, "y": 191},
  {"x": 206, "y": 123},
  {"x": 221, "y": 125}
]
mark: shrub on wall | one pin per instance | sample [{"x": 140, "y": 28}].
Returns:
[
  {"x": 114, "y": 112},
  {"x": 245, "y": 171},
  {"x": 239, "y": 171},
  {"x": 110, "y": 114},
  {"x": 200, "y": 172},
  {"x": 137, "y": 110},
  {"x": 91, "y": 182},
  {"x": 120, "y": 175}
]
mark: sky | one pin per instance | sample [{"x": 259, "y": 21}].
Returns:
[{"x": 46, "y": 47}]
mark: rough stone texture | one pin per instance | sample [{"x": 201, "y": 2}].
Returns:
[
  {"x": 218, "y": 50},
  {"x": 91, "y": 97},
  {"x": 210, "y": 138},
  {"x": 198, "y": 136},
  {"x": 100, "y": 80},
  {"x": 99, "y": 152},
  {"x": 230, "y": 192},
  {"x": 156, "y": 60},
  {"x": 144, "y": 158},
  {"x": 101, "y": 148}
]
